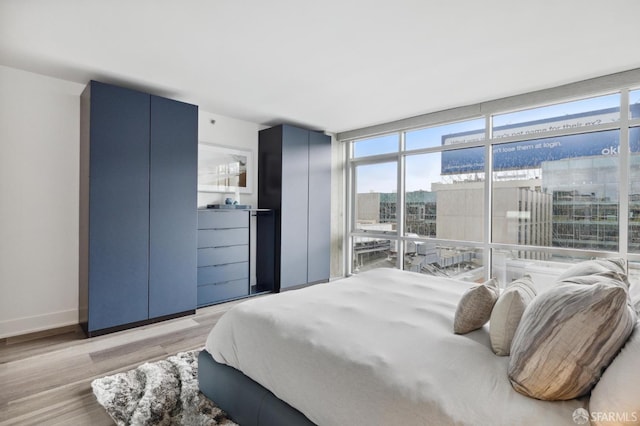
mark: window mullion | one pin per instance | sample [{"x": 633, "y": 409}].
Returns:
[
  {"x": 400, "y": 204},
  {"x": 623, "y": 195},
  {"x": 488, "y": 181}
]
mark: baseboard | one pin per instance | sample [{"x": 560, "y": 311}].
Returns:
[{"x": 32, "y": 324}]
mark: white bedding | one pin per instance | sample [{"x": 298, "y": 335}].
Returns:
[{"x": 377, "y": 349}]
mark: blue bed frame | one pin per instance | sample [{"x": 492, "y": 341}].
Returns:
[{"x": 245, "y": 401}]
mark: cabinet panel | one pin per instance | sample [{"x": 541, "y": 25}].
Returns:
[
  {"x": 222, "y": 273},
  {"x": 222, "y": 255},
  {"x": 119, "y": 206},
  {"x": 294, "y": 210},
  {"x": 222, "y": 219},
  {"x": 222, "y": 237},
  {"x": 217, "y": 292},
  {"x": 173, "y": 203},
  {"x": 270, "y": 168},
  {"x": 319, "y": 243}
]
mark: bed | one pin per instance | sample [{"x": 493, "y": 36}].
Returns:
[{"x": 376, "y": 348}]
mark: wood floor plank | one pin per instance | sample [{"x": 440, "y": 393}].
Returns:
[{"x": 46, "y": 378}]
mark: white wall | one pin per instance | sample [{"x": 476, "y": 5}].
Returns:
[
  {"x": 39, "y": 191},
  {"x": 39, "y": 140}
]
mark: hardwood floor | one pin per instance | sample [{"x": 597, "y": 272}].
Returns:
[{"x": 45, "y": 378}]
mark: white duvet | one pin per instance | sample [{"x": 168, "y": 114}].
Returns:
[{"x": 377, "y": 348}]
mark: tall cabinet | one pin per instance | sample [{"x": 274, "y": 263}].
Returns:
[
  {"x": 294, "y": 167},
  {"x": 138, "y": 219}
]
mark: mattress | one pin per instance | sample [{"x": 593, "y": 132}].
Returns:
[{"x": 377, "y": 348}]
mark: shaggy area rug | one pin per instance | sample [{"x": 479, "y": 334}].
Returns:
[{"x": 159, "y": 393}]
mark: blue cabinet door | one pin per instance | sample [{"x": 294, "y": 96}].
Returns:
[
  {"x": 295, "y": 206},
  {"x": 173, "y": 207},
  {"x": 119, "y": 206},
  {"x": 319, "y": 247}
]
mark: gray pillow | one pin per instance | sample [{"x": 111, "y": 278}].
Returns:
[
  {"x": 474, "y": 307},
  {"x": 597, "y": 266},
  {"x": 597, "y": 277},
  {"x": 567, "y": 336},
  {"x": 507, "y": 313}
]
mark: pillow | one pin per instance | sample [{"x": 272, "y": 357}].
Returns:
[
  {"x": 596, "y": 266},
  {"x": 474, "y": 308},
  {"x": 567, "y": 336},
  {"x": 617, "y": 390},
  {"x": 597, "y": 277},
  {"x": 507, "y": 313}
]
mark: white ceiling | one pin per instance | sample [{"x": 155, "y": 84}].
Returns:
[{"x": 334, "y": 65}]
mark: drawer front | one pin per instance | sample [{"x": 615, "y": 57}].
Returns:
[
  {"x": 222, "y": 255},
  {"x": 219, "y": 220},
  {"x": 222, "y": 273},
  {"x": 214, "y": 293},
  {"x": 222, "y": 237}
]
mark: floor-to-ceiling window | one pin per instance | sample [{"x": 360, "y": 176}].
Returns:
[
  {"x": 502, "y": 193},
  {"x": 375, "y": 185}
]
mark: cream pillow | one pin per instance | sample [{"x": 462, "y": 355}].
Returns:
[
  {"x": 617, "y": 391},
  {"x": 474, "y": 308},
  {"x": 567, "y": 336},
  {"x": 507, "y": 313}
]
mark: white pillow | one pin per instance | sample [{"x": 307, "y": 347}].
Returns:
[
  {"x": 474, "y": 307},
  {"x": 507, "y": 313},
  {"x": 618, "y": 391}
]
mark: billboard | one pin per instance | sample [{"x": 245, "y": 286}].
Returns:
[{"x": 531, "y": 153}]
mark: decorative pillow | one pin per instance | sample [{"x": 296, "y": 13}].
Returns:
[
  {"x": 617, "y": 390},
  {"x": 567, "y": 336},
  {"x": 597, "y": 266},
  {"x": 474, "y": 308},
  {"x": 507, "y": 313},
  {"x": 598, "y": 277}
]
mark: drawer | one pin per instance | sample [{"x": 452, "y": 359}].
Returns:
[
  {"x": 222, "y": 237},
  {"x": 222, "y": 255},
  {"x": 214, "y": 293},
  {"x": 222, "y": 273},
  {"x": 208, "y": 219}
]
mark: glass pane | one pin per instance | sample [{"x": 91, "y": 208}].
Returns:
[
  {"x": 379, "y": 145},
  {"x": 634, "y": 278},
  {"x": 449, "y": 134},
  {"x": 634, "y": 104},
  {"x": 544, "y": 268},
  {"x": 376, "y": 197},
  {"x": 560, "y": 192},
  {"x": 634, "y": 190},
  {"x": 372, "y": 253},
  {"x": 565, "y": 116},
  {"x": 444, "y": 195},
  {"x": 429, "y": 258}
]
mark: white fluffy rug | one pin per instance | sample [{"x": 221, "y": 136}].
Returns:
[{"x": 159, "y": 393}]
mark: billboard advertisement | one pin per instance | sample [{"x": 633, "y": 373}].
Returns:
[{"x": 531, "y": 153}]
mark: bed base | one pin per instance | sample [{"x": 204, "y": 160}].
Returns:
[{"x": 244, "y": 400}]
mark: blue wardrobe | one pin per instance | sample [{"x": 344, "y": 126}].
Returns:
[{"x": 138, "y": 217}]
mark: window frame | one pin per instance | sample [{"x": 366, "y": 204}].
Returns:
[{"x": 544, "y": 98}]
